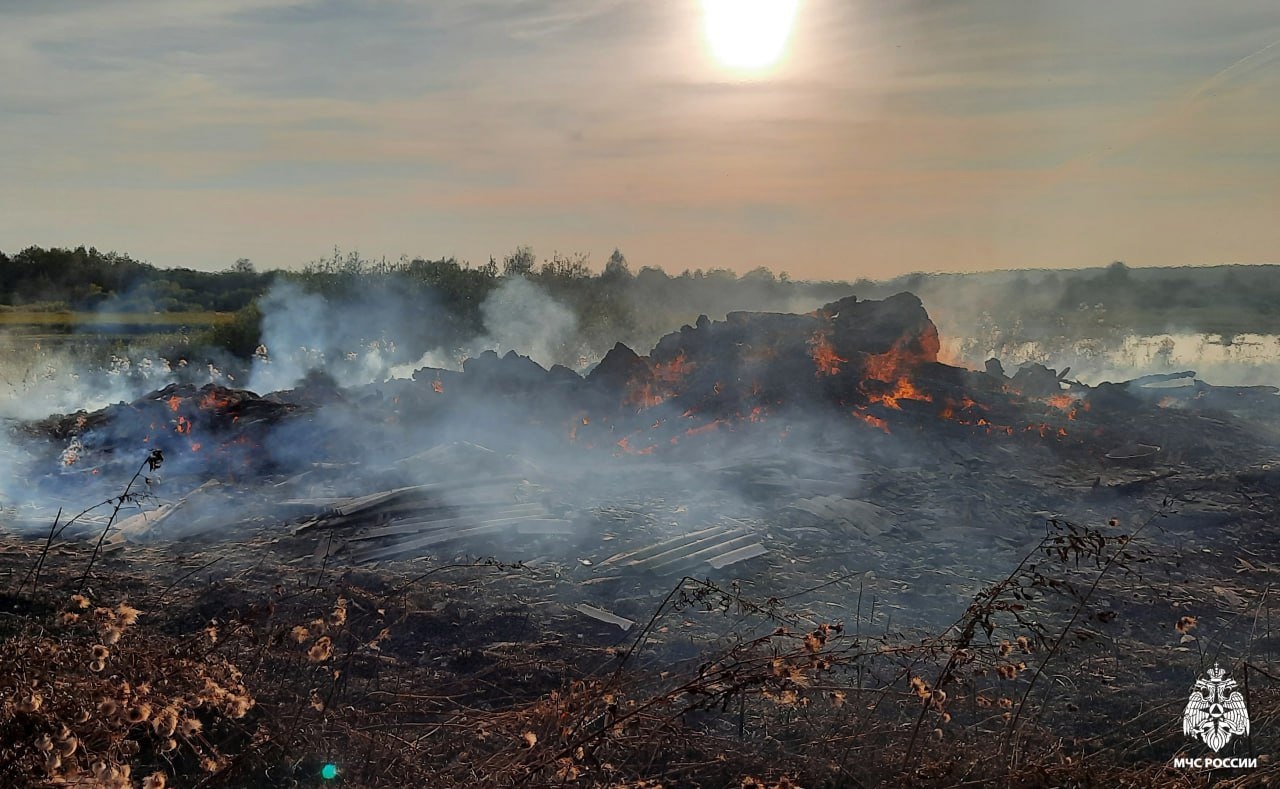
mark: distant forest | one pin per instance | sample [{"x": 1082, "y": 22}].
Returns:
[{"x": 638, "y": 306}]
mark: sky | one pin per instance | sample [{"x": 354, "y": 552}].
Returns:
[{"x": 890, "y": 136}]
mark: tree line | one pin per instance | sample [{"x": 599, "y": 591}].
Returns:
[
  {"x": 447, "y": 294},
  {"x": 615, "y": 303}
]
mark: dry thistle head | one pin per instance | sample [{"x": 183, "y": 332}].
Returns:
[
  {"x": 127, "y": 614},
  {"x": 190, "y": 727},
  {"x": 920, "y": 687},
  {"x": 339, "y": 616},
  {"x": 30, "y": 703},
  {"x": 165, "y": 722},
  {"x": 100, "y": 652},
  {"x": 68, "y": 618},
  {"x": 154, "y": 781},
  {"x": 111, "y": 633},
  {"x": 1024, "y": 644},
  {"x": 530, "y": 739},
  {"x": 68, "y": 745},
  {"x": 814, "y": 641},
  {"x": 1186, "y": 624},
  {"x": 383, "y": 635},
  {"x": 238, "y": 706},
  {"x": 212, "y": 764},
  {"x": 138, "y": 714},
  {"x": 321, "y": 650},
  {"x": 1007, "y": 671},
  {"x": 1005, "y": 647},
  {"x": 79, "y": 601},
  {"x": 796, "y": 675},
  {"x": 299, "y": 634}
]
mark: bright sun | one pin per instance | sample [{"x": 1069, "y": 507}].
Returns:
[{"x": 748, "y": 35}]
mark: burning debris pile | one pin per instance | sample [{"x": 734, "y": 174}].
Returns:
[
  {"x": 761, "y": 422},
  {"x": 870, "y": 362}
]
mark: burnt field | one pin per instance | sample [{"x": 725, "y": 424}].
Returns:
[{"x": 777, "y": 549}]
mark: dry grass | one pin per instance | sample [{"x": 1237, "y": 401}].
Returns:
[{"x": 261, "y": 674}]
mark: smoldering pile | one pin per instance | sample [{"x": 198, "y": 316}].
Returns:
[{"x": 702, "y": 448}]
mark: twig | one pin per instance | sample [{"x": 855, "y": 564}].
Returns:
[
  {"x": 39, "y": 565},
  {"x": 153, "y": 462}
]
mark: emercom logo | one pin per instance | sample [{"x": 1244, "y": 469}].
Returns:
[{"x": 1214, "y": 714}]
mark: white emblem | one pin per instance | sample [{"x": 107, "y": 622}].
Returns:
[{"x": 1215, "y": 712}]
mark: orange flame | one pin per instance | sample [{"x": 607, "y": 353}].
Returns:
[
  {"x": 184, "y": 426},
  {"x": 899, "y": 361},
  {"x": 1061, "y": 401},
  {"x": 214, "y": 400},
  {"x": 673, "y": 371},
  {"x": 437, "y": 386},
  {"x": 660, "y": 384},
  {"x": 874, "y": 421},
  {"x": 903, "y": 390},
  {"x": 824, "y": 355},
  {"x": 175, "y": 403}
]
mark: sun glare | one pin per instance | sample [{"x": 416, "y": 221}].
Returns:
[{"x": 748, "y": 35}]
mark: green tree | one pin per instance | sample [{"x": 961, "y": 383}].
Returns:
[
  {"x": 616, "y": 268},
  {"x": 519, "y": 263}
]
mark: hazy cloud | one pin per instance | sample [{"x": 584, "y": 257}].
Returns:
[{"x": 904, "y": 136}]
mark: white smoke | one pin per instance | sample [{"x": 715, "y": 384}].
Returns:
[{"x": 520, "y": 316}]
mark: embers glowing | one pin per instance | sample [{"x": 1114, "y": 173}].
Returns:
[
  {"x": 662, "y": 382},
  {"x": 903, "y": 390},
  {"x": 624, "y": 444},
  {"x": 874, "y": 421},
  {"x": 213, "y": 400},
  {"x": 1062, "y": 401}
]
